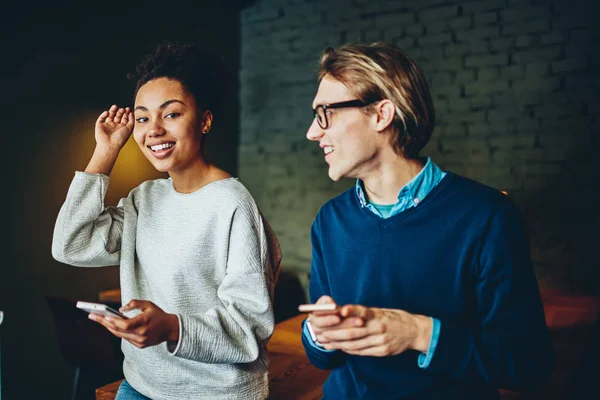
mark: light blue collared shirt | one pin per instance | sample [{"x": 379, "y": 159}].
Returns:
[{"x": 409, "y": 196}]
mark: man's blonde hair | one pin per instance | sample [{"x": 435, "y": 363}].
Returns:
[{"x": 379, "y": 71}]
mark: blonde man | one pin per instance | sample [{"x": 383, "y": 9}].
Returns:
[{"x": 436, "y": 294}]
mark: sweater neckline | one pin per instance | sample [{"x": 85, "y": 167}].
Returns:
[{"x": 208, "y": 185}]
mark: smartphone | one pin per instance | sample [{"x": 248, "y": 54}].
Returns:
[
  {"x": 317, "y": 307},
  {"x": 100, "y": 309}
]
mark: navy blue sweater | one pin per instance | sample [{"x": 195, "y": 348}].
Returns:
[{"x": 461, "y": 256}]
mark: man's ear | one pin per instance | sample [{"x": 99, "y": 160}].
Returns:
[
  {"x": 385, "y": 111},
  {"x": 206, "y": 121}
]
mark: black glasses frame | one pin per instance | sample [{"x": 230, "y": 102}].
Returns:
[{"x": 320, "y": 111}]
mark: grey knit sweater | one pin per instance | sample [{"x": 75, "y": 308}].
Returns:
[{"x": 207, "y": 256}]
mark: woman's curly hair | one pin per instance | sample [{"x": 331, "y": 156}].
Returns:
[{"x": 197, "y": 72}]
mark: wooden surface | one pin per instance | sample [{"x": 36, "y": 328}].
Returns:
[
  {"x": 108, "y": 392},
  {"x": 571, "y": 319},
  {"x": 110, "y": 296},
  {"x": 292, "y": 376},
  {"x": 287, "y": 337}
]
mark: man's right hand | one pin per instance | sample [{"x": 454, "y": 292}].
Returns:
[{"x": 322, "y": 321}]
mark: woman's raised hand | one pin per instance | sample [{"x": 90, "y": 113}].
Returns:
[{"x": 113, "y": 127}]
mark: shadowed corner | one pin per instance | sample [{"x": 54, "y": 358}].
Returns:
[
  {"x": 289, "y": 294},
  {"x": 574, "y": 324},
  {"x": 586, "y": 376},
  {"x": 562, "y": 219},
  {"x": 86, "y": 346},
  {"x": 1, "y": 320}
]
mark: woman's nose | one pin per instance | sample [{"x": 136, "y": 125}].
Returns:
[{"x": 155, "y": 129}]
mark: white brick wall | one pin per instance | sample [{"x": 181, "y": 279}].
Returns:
[{"x": 516, "y": 89}]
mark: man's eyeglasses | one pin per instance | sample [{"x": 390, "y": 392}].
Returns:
[{"x": 320, "y": 111}]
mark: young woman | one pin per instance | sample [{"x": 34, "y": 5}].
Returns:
[{"x": 198, "y": 263}]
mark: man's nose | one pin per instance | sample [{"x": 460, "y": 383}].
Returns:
[{"x": 315, "y": 132}]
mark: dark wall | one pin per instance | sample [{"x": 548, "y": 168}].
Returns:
[
  {"x": 516, "y": 84},
  {"x": 62, "y": 65}
]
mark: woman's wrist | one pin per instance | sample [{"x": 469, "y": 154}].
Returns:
[
  {"x": 103, "y": 160},
  {"x": 174, "y": 329}
]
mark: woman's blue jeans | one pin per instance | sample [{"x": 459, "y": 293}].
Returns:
[{"x": 126, "y": 392}]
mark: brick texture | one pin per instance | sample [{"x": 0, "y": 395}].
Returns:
[{"x": 516, "y": 89}]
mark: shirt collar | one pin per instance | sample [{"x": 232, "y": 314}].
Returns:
[{"x": 416, "y": 189}]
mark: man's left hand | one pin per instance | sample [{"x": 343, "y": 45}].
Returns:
[{"x": 386, "y": 332}]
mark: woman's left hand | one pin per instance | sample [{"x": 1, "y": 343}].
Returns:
[{"x": 151, "y": 327}]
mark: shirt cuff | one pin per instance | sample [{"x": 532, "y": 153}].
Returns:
[
  {"x": 425, "y": 358},
  {"x": 309, "y": 333},
  {"x": 173, "y": 348}
]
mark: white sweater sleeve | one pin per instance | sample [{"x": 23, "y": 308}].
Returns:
[
  {"x": 235, "y": 330},
  {"x": 86, "y": 234}
]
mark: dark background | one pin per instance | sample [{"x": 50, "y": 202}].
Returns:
[{"x": 63, "y": 64}]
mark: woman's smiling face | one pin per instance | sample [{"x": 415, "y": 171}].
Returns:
[{"x": 167, "y": 127}]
